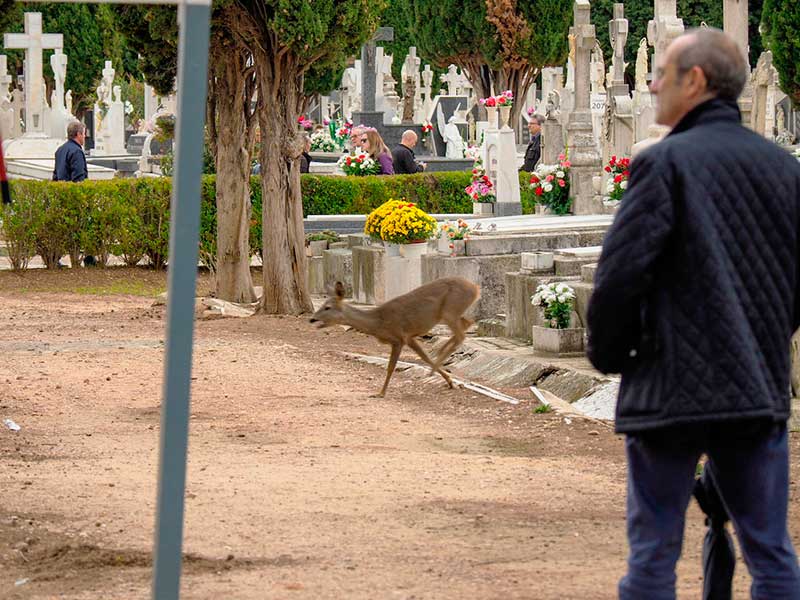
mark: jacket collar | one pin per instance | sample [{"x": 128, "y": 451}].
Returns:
[{"x": 707, "y": 112}]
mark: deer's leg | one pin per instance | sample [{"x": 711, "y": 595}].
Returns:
[
  {"x": 396, "y": 348},
  {"x": 415, "y": 346},
  {"x": 459, "y": 329}
]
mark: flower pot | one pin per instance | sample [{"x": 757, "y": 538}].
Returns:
[
  {"x": 491, "y": 115},
  {"x": 505, "y": 115},
  {"x": 391, "y": 249},
  {"x": 541, "y": 209},
  {"x": 414, "y": 250},
  {"x": 483, "y": 209},
  {"x": 558, "y": 342},
  {"x": 316, "y": 247}
]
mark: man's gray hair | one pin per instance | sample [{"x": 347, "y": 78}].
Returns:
[
  {"x": 74, "y": 129},
  {"x": 538, "y": 118},
  {"x": 720, "y": 59}
]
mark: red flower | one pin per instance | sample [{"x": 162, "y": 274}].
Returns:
[
  {"x": 360, "y": 159},
  {"x": 618, "y": 179},
  {"x": 485, "y": 178},
  {"x": 562, "y": 183},
  {"x": 538, "y": 191},
  {"x": 608, "y": 169},
  {"x": 491, "y": 102},
  {"x": 534, "y": 179},
  {"x": 626, "y": 173},
  {"x": 501, "y": 100},
  {"x": 347, "y": 161},
  {"x": 613, "y": 160}
]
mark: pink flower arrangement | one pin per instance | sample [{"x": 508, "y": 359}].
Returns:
[
  {"x": 481, "y": 188},
  {"x": 504, "y": 99},
  {"x": 305, "y": 122}
]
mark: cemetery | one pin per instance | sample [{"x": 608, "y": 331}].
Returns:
[{"x": 301, "y": 482}]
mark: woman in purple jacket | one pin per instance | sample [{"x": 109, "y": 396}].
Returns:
[{"x": 372, "y": 144}]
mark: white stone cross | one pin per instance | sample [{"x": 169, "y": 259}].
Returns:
[
  {"x": 735, "y": 16},
  {"x": 451, "y": 78},
  {"x": 664, "y": 28},
  {"x": 618, "y": 30},
  {"x": 33, "y": 41}
]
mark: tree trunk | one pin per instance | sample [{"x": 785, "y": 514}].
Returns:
[
  {"x": 285, "y": 287},
  {"x": 233, "y": 280}
]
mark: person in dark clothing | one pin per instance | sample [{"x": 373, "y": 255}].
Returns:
[
  {"x": 70, "y": 159},
  {"x": 305, "y": 157},
  {"x": 534, "y": 150},
  {"x": 403, "y": 155},
  {"x": 697, "y": 295}
]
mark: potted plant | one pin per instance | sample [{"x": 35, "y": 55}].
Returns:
[
  {"x": 550, "y": 184},
  {"x": 410, "y": 228},
  {"x": 557, "y": 301},
  {"x": 321, "y": 141},
  {"x": 318, "y": 241},
  {"x": 373, "y": 225},
  {"x": 453, "y": 237},
  {"x": 481, "y": 190}
]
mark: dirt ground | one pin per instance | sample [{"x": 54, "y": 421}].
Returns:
[{"x": 300, "y": 486}]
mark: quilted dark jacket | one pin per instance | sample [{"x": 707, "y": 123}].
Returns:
[{"x": 696, "y": 293}]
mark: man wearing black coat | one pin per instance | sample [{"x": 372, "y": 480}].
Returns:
[
  {"x": 534, "y": 150},
  {"x": 697, "y": 295},
  {"x": 403, "y": 155},
  {"x": 70, "y": 159}
]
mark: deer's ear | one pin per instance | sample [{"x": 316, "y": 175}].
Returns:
[{"x": 339, "y": 289}]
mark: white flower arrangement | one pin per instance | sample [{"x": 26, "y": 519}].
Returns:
[
  {"x": 358, "y": 164},
  {"x": 557, "y": 300},
  {"x": 128, "y": 107},
  {"x": 472, "y": 153},
  {"x": 321, "y": 141}
]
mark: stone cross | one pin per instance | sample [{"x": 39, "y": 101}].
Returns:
[
  {"x": 664, "y": 28},
  {"x": 5, "y": 78},
  {"x": 369, "y": 67},
  {"x": 108, "y": 77},
  {"x": 618, "y": 30},
  {"x": 58, "y": 62},
  {"x": 580, "y": 138},
  {"x": 735, "y": 18},
  {"x": 452, "y": 78},
  {"x": 33, "y": 41}
]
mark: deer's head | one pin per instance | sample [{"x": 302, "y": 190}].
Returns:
[{"x": 330, "y": 313}]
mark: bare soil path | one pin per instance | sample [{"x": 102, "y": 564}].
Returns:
[{"x": 300, "y": 486}]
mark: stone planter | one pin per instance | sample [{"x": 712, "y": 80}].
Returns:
[
  {"x": 491, "y": 115},
  {"x": 459, "y": 246},
  {"x": 391, "y": 249},
  {"x": 540, "y": 209},
  {"x": 483, "y": 209},
  {"x": 505, "y": 116},
  {"x": 558, "y": 342},
  {"x": 414, "y": 251},
  {"x": 315, "y": 248}
]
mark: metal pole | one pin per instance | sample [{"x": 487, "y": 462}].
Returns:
[{"x": 193, "y": 19}]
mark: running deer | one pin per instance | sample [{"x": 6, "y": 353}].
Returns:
[{"x": 401, "y": 320}]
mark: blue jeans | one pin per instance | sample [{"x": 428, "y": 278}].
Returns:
[{"x": 749, "y": 464}]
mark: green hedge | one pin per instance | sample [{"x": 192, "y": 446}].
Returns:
[{"x": 130, "y": 217}]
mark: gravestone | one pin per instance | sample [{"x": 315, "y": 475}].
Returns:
[
  {"x": 448, "y": 104},
  {"x": 33, "y": 42},
  {"x": 620, "y": 118},
  {"x": 664, "y": 28},
  {"x": 6, "y": 108},
  {"x": 764, "y": 84},
  {"x": 115, "y": 119},
  {"x": 369, "y": 74},
  {"x": 583, "y": 152},
  {"x": 59, "y": 115},
  {"x": 735, "y": 15}
]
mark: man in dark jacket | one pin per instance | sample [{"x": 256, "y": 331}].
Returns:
[
  {"x": 70, "y": 159},
  {"x": 534, "y": 150},
  {"x": 403, "y": 155},
  {"x": 696, "y": 298}
]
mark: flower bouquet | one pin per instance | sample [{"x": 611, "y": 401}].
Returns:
[
  {"x": 617, "y": 183},
  {"x": 427, "y": 127},
  {"x": 358, "y": 164},
  {"x": 505, "y": 99},
  {"x": 557, "y": 300},
  {"x": 452, "y": 237},
  {"x": 322, "y": 142},
  {"x": 305, "y": 123},
  {"x": 407, "y": 224},
  {"x": 481, "y": 188},
  {"x": 375, "y": 219},
  {"x": 550, "y": 183}
]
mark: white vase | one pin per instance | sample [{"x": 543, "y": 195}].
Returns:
[
  {"x": 413, "y": 250},
  {"x": 491, "y": 115},
  {"x": 505, "y": 115},
  {"x": 392, "y": 249}
]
